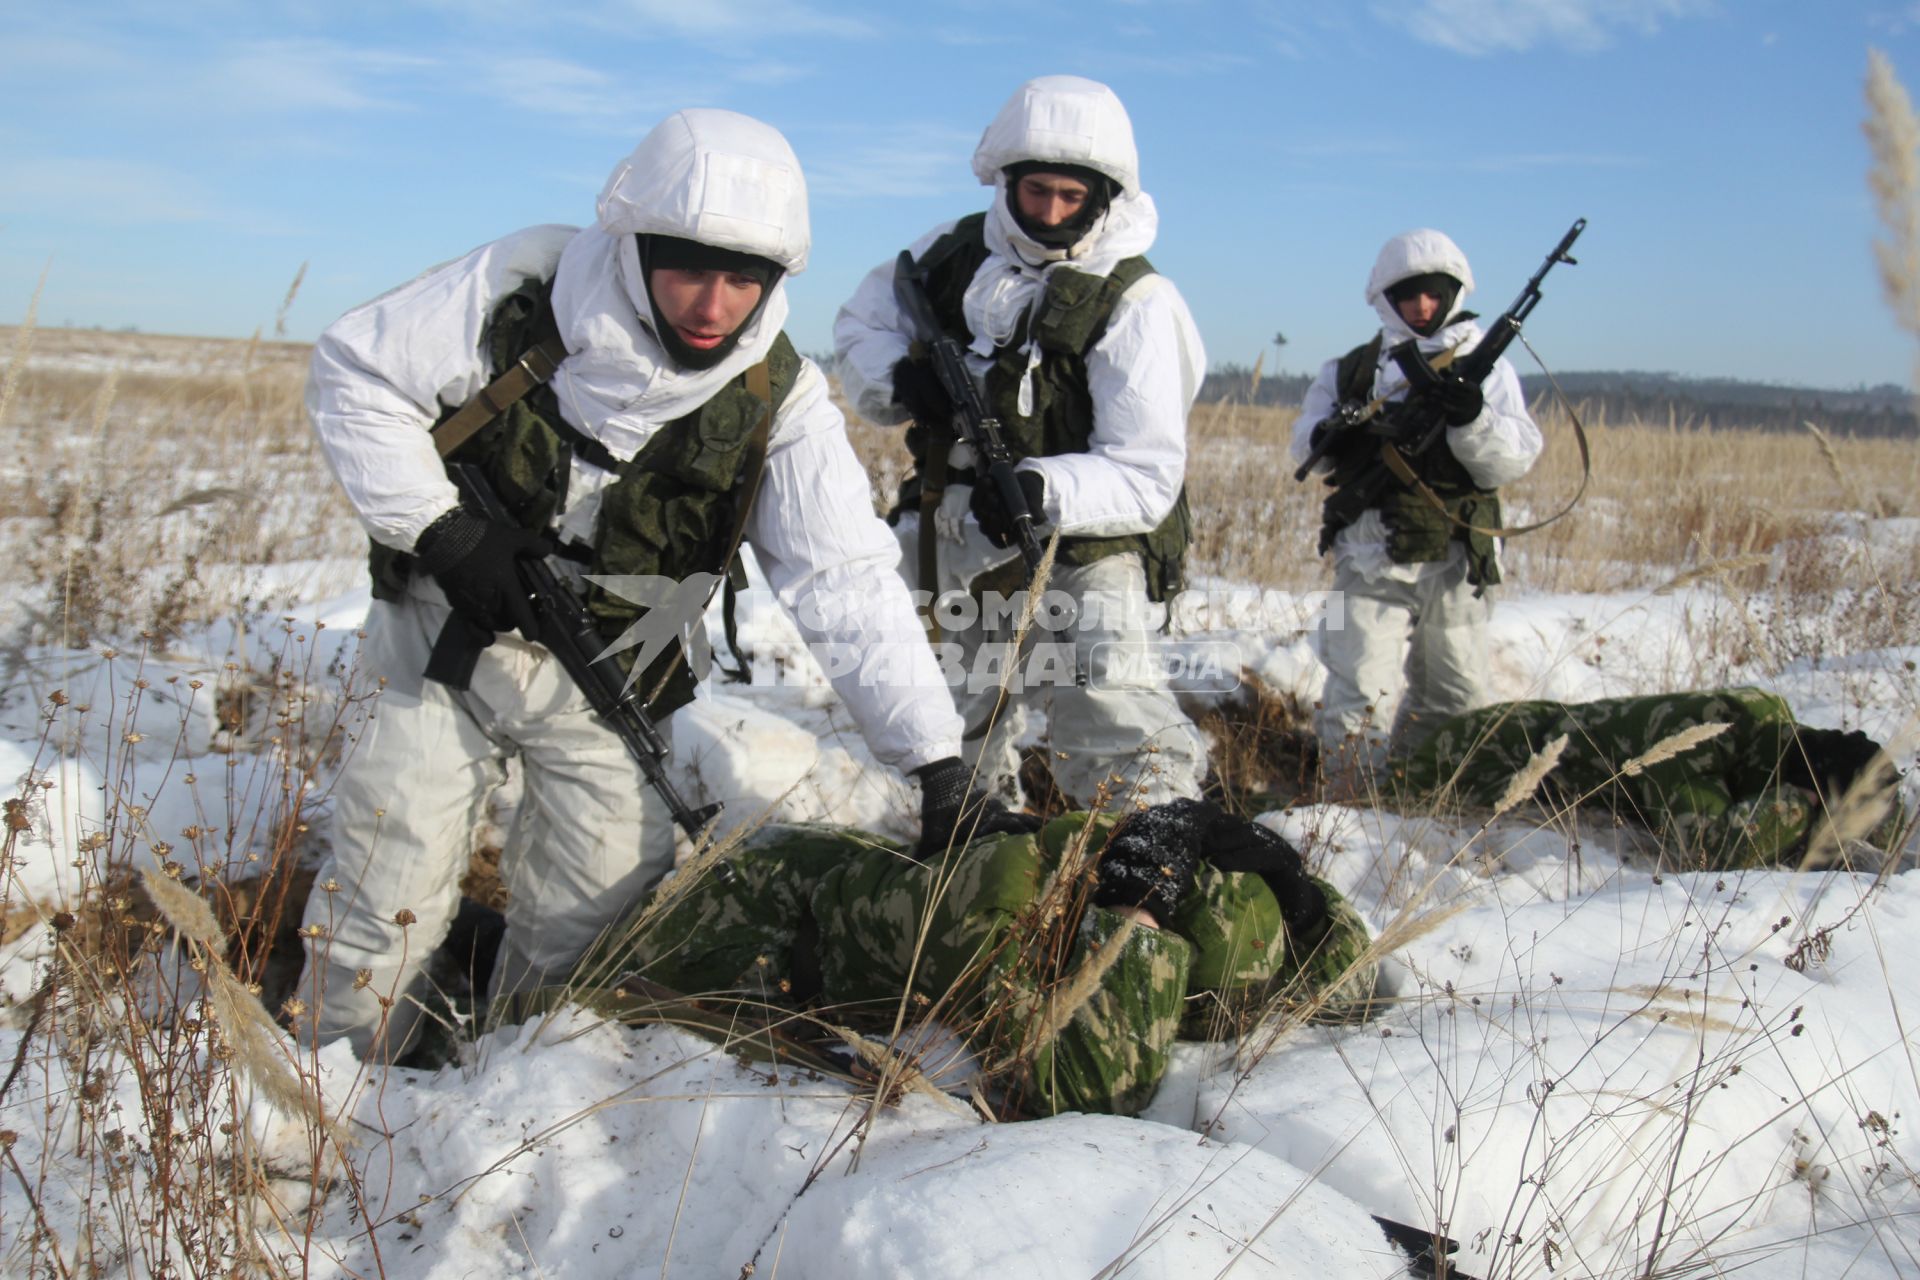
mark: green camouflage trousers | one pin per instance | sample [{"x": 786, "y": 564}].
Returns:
[
  {"x": 1069, "y": 1006},
  {"x": 1719, "y": 804}
]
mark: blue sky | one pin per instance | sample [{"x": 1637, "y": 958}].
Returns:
[{"x": 172, "y": 165}]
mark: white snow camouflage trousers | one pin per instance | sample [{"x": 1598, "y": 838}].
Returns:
[
  {"x": 1422, "y": 642},
  {"x": 1123, "y": 721},
  {"x": 587, "y": 840}
]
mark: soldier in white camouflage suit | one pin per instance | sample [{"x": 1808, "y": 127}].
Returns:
[{"x": 1412, "y": 566}]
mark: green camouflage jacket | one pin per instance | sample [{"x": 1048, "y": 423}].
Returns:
[
  {"x": 1719, "y": 804},
  {"x": 1068, "y": 1006}
]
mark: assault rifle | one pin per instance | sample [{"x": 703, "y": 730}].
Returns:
[
  {"x": 977, "y": 427},
  {"x": 569, "y": 632},
  {"x": 1414, "y": 427}
]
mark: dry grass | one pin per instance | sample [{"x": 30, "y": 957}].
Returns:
[
  {"x": 155, "y": 483},
  {"x": 1665, "y": 497}
]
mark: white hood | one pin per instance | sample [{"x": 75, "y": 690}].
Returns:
[
  {"x": 1073, "y": 121},
  {"x": 1064, "y": 118},
  {"x": 717, "y": 177},
  {"x": 1415, "y": 253}
]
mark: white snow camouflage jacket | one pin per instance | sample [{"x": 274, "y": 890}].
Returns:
[
  {"x": 385, "y": 372},
  {"x": 1497, "y": 448},
  {"x": 1143, "y": 373}
]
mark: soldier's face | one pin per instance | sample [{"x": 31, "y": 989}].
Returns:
[
  {"x": 1419, "y": 309},
  {"x": 704, "y": 307},
  {"x": 1050, "y": 199}
]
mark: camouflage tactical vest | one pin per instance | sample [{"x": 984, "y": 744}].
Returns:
[
  {"x": 1065, "y": 324},
  {"x": 671, "y": 509},
  {"x": 1416, "y": 532}
]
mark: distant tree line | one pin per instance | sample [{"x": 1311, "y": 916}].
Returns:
[{"x": 1689, "y": 403}]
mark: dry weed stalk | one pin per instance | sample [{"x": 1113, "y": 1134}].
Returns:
[
  {"x": 22, "y": 347},
  {"x": 1672, "y": 745},
  {"x": 1070, "y": 997},
  {"x": 1713, "y": 569},
  {"x": 249, "y": 1030},
  {"x": 1893, "y": 136},
  {"x": 1521, "y": 787}
]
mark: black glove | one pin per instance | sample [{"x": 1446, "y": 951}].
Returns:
[
  {"x": 917, "y": 389},
  {"x": 1826, "y": 761},
  {"x": 1149, "y": 861},
  {"x": 1457, "y": 400},
  {"x": 950, "y": 812},
  {"x": 991, "y": 513},
  {"x": 1238, "y": 844},
  {"x": 476, "y": 562}
]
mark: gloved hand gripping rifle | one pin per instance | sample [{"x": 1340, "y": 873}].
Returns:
[
  {"x": 1412, "y": 427},
  {"x": 977, "y": 427},
  {"x": 569, "y": 632}
]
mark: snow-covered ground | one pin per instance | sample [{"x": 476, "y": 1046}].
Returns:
[{"x": 1591, "y": 1069}]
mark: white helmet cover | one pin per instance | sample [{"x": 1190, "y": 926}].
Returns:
[
  {"x": 1064, "y": 118},
  {"x": 1415, "y": 253},
  {"x": 716, "y": 177}
]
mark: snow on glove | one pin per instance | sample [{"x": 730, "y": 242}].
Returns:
[
  {"x": 476, "y": 562},
  {"x": 991, "y": 514},
  {"x": 917, "y": 389},
  {"x": 1239, "y": 844},
  {"x": 1149, "y": 861},
  {"x": 952, "y": 813}
]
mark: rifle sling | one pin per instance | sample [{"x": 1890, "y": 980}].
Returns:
[
  {"x": 536, "y": 366},
  {"x": 1396, "y": 462}
]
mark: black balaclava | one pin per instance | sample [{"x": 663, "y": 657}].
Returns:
[
  {"x": 1100, "y": 193},
  {"x": 690, "y": 255},
  {"x": 1439, "y": 284}
]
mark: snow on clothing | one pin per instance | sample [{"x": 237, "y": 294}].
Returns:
[
  {"x": 1427, "y": 609},
  {"x": 834, "y": 917},
  {"x": 384, "y": 373},
  {"x": 1142, "y": 375},
  {"x": 1721, "y": 804}
]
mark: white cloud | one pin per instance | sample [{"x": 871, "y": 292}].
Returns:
[
  {"x": 308, "y": 75},
  {"x": 907, "y": 161},
  {"x": 736, "y": 19},
  {"x": 967, "y": 38},
  {"x": 1477, "y": 27},
  {"x": 102, "y": 191},
  {"x": 569, "y": 90},
  {"x": 607, "y": 102},
  {"x": 1200, "y": 62}
]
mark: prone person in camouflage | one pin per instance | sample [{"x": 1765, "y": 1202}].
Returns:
[
  {"x": 678, "y": 420},
  {"x": 1751, "y": 795},
  {"x": 1090, "y": 361},
  {"x": 1412, "y": 581},
  {"x": 1215, "y": 918}
]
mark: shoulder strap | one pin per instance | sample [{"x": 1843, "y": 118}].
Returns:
[
  {"x": 949, "y": 263},
  {"x": 534, "y": 367}
]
